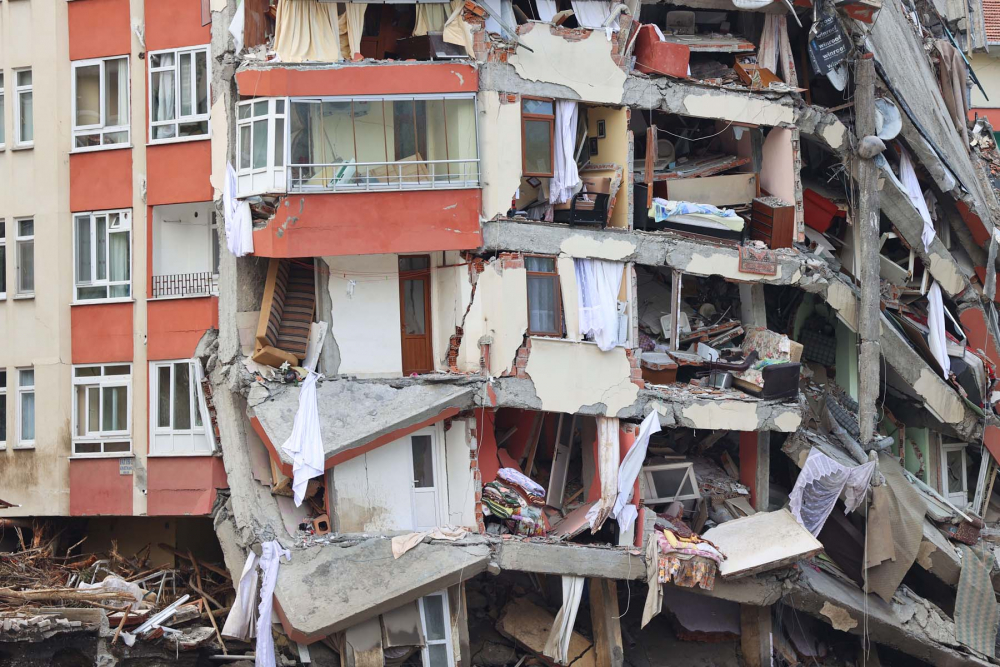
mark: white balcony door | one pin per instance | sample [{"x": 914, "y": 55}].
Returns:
[{"x": 426, "y": 480}]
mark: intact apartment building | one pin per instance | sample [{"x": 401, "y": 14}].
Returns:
[{"x": 508, "y": 236}]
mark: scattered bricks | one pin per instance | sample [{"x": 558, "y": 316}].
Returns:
[
  {"x": 511, "y": 260},
  {"x": 525, "y": 28},
  {"x": 571, "y": 34}
]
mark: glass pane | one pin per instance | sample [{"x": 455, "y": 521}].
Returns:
[
  {"x": 116, "y": 447},
  {"x": 25, "y": 227},
  {"x": 87, "y": 372},
  {"x": 119, "y": 257},
  {"x": 279, "y": 142},
  {"x": 414, "y": 263},
  {"x": 162, "y": 60},
  {"x": 244, "y": 146},
  {"x": 215, "y": 246},
  {"x": 27, "y": 126},
  {"x": 182, "y": 396},
  {"x": 93, "y": 417},
  {"x": 407, "y": 132},
  {"x": 668, "y": 482},
  {"x": 542, "y": 305},
  {"x": 193, "y": 129},
  {"x": 260, "y": 108},
  {"x": 117, "y": 370},
  {"x": 542, "y": 264},
  {"x": 24, "y": 77},
  {"x": 27, "y": 378},
  {"x": 197, "y": 404},
  {"x": 279, "y": 105},
  {"x": 84, "y": 270},
  {"x": 537, "y": 146},
  {"x": 201, "y": 81},
  {"x": 431, "y": 115},
  {"x": 3, "y": 418},
  {"x": 115, "y": 409},
  {"x": 116, "y": 94},
  {"x": 87, "y": 447},
  {"x": 112, "y": 138},
  {"x": 101, "y": 232},
  {"x": 438, "y": 655},
  {"x": 85, "y": 293},
  {"x": 953, "y": 458},
  {"x": 323, "y": 134},
  {"x": 434, "y": 613},
  {"x": 165, "y": 132},
  {"x": 423, "y": 464},
  {"x": 28, "y": 415},
  {"x": 260, "y": 144},
  {"x": 164, "y": 106},
  {"x": 3, "y": 136},
  {"x": 80, "y": 396},
  {"x": 243, "y": 110},
  {"x": 538, "y": 107},
  {"x": 88, "y": 95},
  {"x": 460, "y": 118},
  {"x": 414, "y": 323},
  {"x": 26, "y": 266},
  {"x": 163, "y": 396},
  {"x": 3, "y": 271},
  {"x": 187, "y": 108}
]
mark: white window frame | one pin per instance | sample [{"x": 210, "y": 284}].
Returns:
[
  {"x": 947, "y": 447},
  {"x": 18, "y": 91},
  {"x": 100, "y": 437},
  {"x": 197, "y": 401},
  {"x": 178, "y": 119},
  {"x": 650, "y": 484},
  {"x": 246, "y": 177},
  {"x": 125, "y": 227},
  {"x": 21, "y": 391},
  {"x": 18, "y": 241},
  {"x": 3, "y": 116},
  {"x": 3, "y": 254},
  {"x": 3, "y": 392},
  {"x": 100, "y": 127},
  {"x": 447, "y": 641}
]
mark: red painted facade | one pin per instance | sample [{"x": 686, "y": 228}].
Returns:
[
  {"x": 99, "y": 28},
  {"x": 100, "y": 180},
  {"x": 175, "y": 23},
  {"x": 387, "y": 79},
  {"x": 102, "y": 332},
  {"x": 183, "y": 485},
  {"x": 176, "y": 325},
  {"x": 97, "y": 488},
  {"x": 179, "y": 173},
  {"x": 366, "y": 223},
  {"x": 973, "y": 322}
]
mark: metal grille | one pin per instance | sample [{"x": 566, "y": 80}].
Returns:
[{"x": 185, "y": 284}]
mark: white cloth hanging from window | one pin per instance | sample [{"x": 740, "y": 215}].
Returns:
[
  {"x": 355, "y": 12},
  {"x": 908, "y": 177},
  {"x": 546, "y": 9},
  {"x": 239, "y": 222},
  {"x": 775, "y": 48},
  {"x": 936, "y": 338},
  {"x": 565, "y": 177},
  {"x": 307, "y": 30},
  {"x": 305, "y": 444},
  {"x": 598, "y": 283},
  {"x": 557, "y": 645},
  {"x": 430, "y": 17},
  {"x": 240, "y": 624},
  {"x": 593, "y": 13},
  {"x": 236, "y": 27},
  {"x": 608, "y": 458},
  {"x": 457, "y": 30},
  {"x": 270, "y": 555},
  {"x": 819, "y": 486},
  {"x": 623, "y": 511}
]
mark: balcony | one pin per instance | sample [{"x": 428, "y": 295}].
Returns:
[
  {"x": 185, "y": 251},
  {"x": 203, "y": 283}
]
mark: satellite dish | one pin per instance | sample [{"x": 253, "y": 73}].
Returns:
[
  {"x": 888, "y": 122},
  {"x": 838, "y": 76}
]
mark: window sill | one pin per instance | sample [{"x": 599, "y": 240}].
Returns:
[
  {"x": 179, "y": 140},
  {"x": 91, "y": 302},
  {"x": 187, "y": 455},
  {"x": 24, "y": 446},
  {"x": 98, "y": 149},
  {"x": 23, "y": 147},
  {"x": 180, "y": 296},
  {"x": 106, "y": 455},
  {"x": 24, "y": 297}
]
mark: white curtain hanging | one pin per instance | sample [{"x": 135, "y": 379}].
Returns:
[
  {"x": 936, "y": 338},
  {"x": 431, "y": 17},
  {"x": 623, "y": 511},
  {"x": 909, "y": 179},
  {"x": 458, "y": 31},
  {"x": 598, "y": 283},
  {"x": 241, "y": 622},
  {"x": 557, "y": 645},
  {"x": 270, "y": 555},
  {"x": 236, "y": 27},
  {"x": 163, "y": 104},
  {"x": 565, "y": 177},
  {"x": 546, "y": 9},
  {"x": 305, "y": 444},
  {"x": 819, "y": 486},
  {"x": 593, "y": 13},
  {"x": 608, "y": 458},
  {"x": 239, "y": 222},
  {"x": 307, "y": 30},
  {"x": 775, "y": 47}
]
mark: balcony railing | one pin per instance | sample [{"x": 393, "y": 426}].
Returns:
[
  {"x": 185, "y": 284},
  {"x": 376, "y": 176}
]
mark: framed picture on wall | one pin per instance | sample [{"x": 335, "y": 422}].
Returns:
[
  {"x": 593, "y": 146},
  {"x": 601, "y": 129}
]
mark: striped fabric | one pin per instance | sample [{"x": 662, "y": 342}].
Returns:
[
  {"x": 976, "y": 612},
  {"x": 297, "y": 312}
]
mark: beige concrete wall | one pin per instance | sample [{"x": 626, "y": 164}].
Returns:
[
  {"x": 987, "y": 68},
  {"x": 36, "y": 331}
]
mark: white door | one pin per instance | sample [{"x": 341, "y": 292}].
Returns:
[
  {"x": 954, "y": 476},
  {"x": 437, "y": 651},
  {"x": 425, "y": 488}
]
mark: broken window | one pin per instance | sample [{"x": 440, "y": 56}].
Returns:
[
  {"x": 100, "y": 103},
  {"x": 102, "y": 255},
  {"x": 178, "y": 82},
  {"x": 538, "y": 122},
  {"x": 421, "y": 142},
  {"x": 179, "y": 412},
  {"x": 102, "y": 404},
  {"x": 26, "y": 407},
  {"x": 544, "y": 304},
  {"x": 25, "y": 256},
  {"x": 24, "y": 124},
  {"x": 669, "y": 482}
]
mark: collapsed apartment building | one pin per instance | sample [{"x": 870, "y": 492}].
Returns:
[{"x": 685, "y": 305}]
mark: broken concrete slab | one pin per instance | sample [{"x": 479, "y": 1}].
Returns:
[{"x": 761, "y": 542}]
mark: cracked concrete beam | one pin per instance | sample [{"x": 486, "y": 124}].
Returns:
[
  {"x": 649, "y": 248},
  {"x": 911, "y": 624}
]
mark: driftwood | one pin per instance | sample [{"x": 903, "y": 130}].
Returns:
[{"x": 53, "y": 594}]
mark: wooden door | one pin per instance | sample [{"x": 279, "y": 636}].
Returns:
[{"x": 415, "y": 313}]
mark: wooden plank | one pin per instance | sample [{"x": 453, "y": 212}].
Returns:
[
  {"x": 724, "y": 190},
  {"x": 755, "y": 635},
  {"x": 536, "y": 433},
  {"x": 708, "y": 166},
  {"x": 605, "y": 622}
]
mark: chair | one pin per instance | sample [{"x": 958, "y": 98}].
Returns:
[{"x": 587, "y": 207}]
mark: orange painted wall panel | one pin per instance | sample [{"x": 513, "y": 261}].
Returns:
[
  {"x": 99, "y": 28},
  {"x": 97, "y": 488},
  {"x": 102, "y": 333},
  {"x": 176, "y": 325},
  {"x": 100, "y": 180},
  {"x": 183, "y": 485},
  {"x": 174, "y": 23},
  {"x": 178, "y": 173},
  {"x": 973, "y": 321},
  {"x": 367, "y": 223},
  {"x": 395, "y": 79}
]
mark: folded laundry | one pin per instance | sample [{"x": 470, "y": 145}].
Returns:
[
  {"x": 684, "y": 557},
  {"x": 531, "y": 489},
  {"x": 502, "y": 501},
  {"x": 527, "y": 522}
]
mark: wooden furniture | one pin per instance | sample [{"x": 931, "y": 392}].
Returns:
[
  {"x": 772, "y": 221},
  {"x": 286, "y": 313},
  {"x": 587, "y": 207}
]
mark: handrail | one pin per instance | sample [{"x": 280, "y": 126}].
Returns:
[{"x": 377, "y": 176}]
